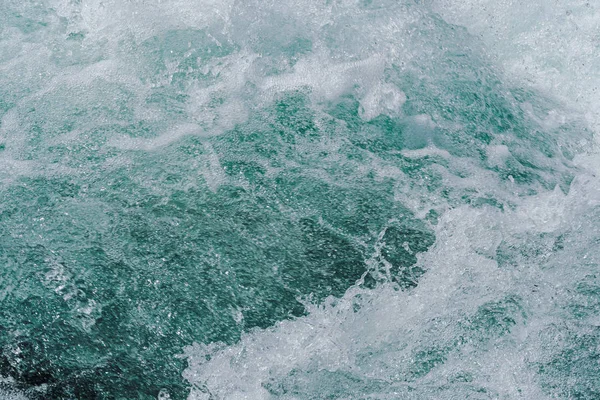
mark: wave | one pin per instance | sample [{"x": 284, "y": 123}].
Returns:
[{"x": 316, "y": 199}]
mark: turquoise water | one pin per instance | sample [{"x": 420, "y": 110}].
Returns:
[{"x": 299, "y": 200}]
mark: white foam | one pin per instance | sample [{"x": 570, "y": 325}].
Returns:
[
  {"x": 10, "y": 394},
  {"x": 462, "y": 275},
  {"x": 426, "y": 152},
  {"x": 390, "y": 325},
  {"x": 381, "y": 98},
  {"x": 351, "y": 52},
  {"x": 165, "y": 139},
  {"x": 497, "y": 155},
  {"x": 330, "y": 80},
  {"x": 213, "y": 172},
  {"x": 552, "y": 45}
]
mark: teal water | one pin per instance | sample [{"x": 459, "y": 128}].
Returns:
[{"x": 299, "y": 200}]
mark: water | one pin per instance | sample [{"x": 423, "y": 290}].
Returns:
[{"x": 299, "y": 200}]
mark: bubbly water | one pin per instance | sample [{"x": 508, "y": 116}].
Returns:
[{"x": 298, "y": 199}]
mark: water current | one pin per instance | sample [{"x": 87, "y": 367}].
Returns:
[{"x": 299, "y": 199}]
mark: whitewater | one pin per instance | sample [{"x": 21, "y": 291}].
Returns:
[{"x": 308, "y": 199}]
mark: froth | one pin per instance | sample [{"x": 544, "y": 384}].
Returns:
[
  {"x": 374, "y": 339},
  {"x": 550, "y": 45}
]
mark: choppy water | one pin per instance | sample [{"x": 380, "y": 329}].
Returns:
[{"x": 333, "y": 199}]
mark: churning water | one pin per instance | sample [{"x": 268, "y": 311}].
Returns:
[{"x": 299, "y": 199}]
